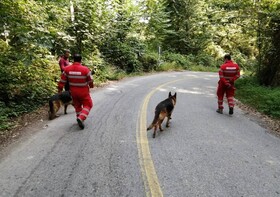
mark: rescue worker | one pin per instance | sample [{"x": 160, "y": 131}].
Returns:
[
  {"x": 228, "y": 73},
  {"x": 80, "y": 82},
  {"x": 63, "y": 62}
]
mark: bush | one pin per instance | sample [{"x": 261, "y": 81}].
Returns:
[
  {"x": 206, "y": 60},
  {"x": 149, "y": 61},
  {"x": 25, "y": 87},
  {"x": 106, "y": 72},
  {"x": 124, "y": 55},
  {"x": 264, "y": 99},
  {"x": 245, "y": 63},
  {"x": 203, "y": 69},
  {"x": 176, "y": 58},
  {"x": 169, "y": 66}
]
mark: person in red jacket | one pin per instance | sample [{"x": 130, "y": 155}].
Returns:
[
  {"x": 80, "y": 82},
  {"x": 63, "y": 62},
  {"x": 228, "y": 73}
]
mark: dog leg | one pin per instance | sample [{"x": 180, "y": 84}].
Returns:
[
  {"x": 167, "y": 122},
  {"x": 51, "y": 115},
  {"x": 65, "y": 109},
  {"x": 57, "y": 106},
  {"x": 159, "y": 123},
  {"x": 155, "y": 131}
]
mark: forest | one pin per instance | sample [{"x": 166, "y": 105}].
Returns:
[{"x": 128, "y": 37}]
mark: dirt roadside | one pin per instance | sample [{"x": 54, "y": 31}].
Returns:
[
  {"x": 25, "y": 125},
  {"x": 270, "y": 124},
  {"x": 30, "y": 123}
]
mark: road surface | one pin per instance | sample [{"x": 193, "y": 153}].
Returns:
[{"x": 203, "y": 153}]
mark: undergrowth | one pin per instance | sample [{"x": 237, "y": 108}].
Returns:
[{"x": 263, "y": 99}]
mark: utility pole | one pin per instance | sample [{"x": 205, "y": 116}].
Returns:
[
  {"x": 159, "y": 53},
  {"x": 72, "y": 11},
  {"x": 259, "y": 41}
]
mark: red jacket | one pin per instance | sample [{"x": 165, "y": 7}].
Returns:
[
  {"x": 63, "y": 62},
  {"x": 229, "y": 72},
  {"x": 79, "y": 78}
]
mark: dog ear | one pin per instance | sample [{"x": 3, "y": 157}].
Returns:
[
  {"x": 175, "y": 95},
  {"x": 169, "y": 95}
]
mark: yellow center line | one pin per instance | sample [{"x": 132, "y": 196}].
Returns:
[{"x": 149, "y": 175}]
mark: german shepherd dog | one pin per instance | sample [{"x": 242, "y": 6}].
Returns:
[
  {"x": 163, "y": 109},
  {"x": 56, "y": 101}
]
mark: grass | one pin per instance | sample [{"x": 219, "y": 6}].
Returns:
[
  {"x": 264, "y": 99},
  {"x": 169, "y": 66},
  {"x": 204, "y": 69}
]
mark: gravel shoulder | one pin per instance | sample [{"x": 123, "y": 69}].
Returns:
[{"x": 271, "y": 124}]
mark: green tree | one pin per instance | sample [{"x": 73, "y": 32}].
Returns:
[
  {"x": 27, "y": 69},
  {"x": 180, "y": 13},
  {"x": 232, "y": 28},
  {"x": 269, "y": 58},
  {"x": 156, "y": 23}
]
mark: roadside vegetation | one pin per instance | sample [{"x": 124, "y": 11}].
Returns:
[
  {"x": 124, "y": 38},
  {"x": 264, "y": 99}
]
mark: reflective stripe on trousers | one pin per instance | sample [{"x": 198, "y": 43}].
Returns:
[{"x": 221, "y": 91}]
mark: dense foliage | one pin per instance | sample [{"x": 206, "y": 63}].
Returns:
[
  {"x": 264, "y": 99},
  {"x": 269, "y": 67},
  {"x": 126, "y": 36}
]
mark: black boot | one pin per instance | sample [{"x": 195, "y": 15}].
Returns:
[
  {"x": 80, "y": 123},
  {"x": 230, "y": 110},
  {"x": 220, "y": 111}
]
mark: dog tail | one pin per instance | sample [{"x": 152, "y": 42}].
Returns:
[{"x": 155, "y": 120}]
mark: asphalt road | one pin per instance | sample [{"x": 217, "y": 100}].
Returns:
[{"x": 203, "y": 153}]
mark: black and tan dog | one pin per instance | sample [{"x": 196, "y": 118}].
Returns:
[
  {"x": 163, "y": 109},
  {"x": 58, "y": 100}
]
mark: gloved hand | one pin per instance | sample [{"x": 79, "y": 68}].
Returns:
[{"x": 228, "y": 85}]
